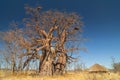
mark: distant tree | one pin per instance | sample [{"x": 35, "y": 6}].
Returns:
[
  {"x": 115, "y": 65},
  {"x": 12, "y": 48},
  {"x": 50, "y": 36},
  {"x": 79, "y": 66}
]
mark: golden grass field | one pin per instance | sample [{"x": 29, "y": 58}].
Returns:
[{"x": 6, "y": 75}]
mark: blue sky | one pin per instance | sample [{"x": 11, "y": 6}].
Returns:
[{"x": 101, "y": 24}]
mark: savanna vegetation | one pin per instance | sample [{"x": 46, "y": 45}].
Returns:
[
  {"x": 48, "y": 37},
  {"x": 43, "y": 46}
]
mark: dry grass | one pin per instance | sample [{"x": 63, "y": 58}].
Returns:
[{"x": 6, "y": 75}]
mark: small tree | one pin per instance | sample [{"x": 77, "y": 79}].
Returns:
[
  {"x": 12, "y": 48},
  {"x": 79, "y": 66},
  {"x": 115, "y": 65}
]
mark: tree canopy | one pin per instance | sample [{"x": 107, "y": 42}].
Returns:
[{"x": 50, "y": 36}]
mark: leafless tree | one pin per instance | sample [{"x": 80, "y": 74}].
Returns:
[
  {"x": 115, "y": 65},
  {"x": 11, "y": 47},
  {"x": 48, "y": 36}
]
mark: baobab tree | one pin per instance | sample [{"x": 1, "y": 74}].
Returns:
[{"x": 50, "y": 36}]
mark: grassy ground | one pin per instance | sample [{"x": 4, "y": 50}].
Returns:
[{"x": 6, "y": 75}]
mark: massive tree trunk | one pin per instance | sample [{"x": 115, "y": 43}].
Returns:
[
  {"x": 50, "y": 65},
  {"x": 60, "y": 64},
  {"x": 45, "y": 67}
]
